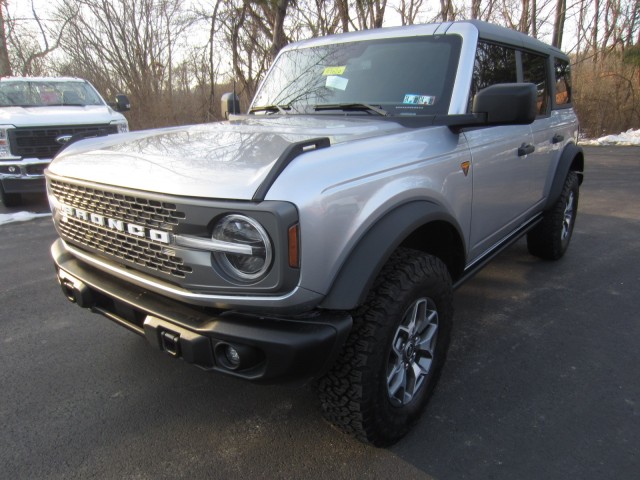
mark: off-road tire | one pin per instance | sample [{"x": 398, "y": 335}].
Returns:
[
  {"x": 355, "y": 395},
  {"x": 550, "y": 238},
  {"x": 10, "y": 199}
]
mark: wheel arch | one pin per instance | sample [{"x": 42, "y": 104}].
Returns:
[
  {"x": 571, "y": 159},
  {"x": 420, "y": 225}
]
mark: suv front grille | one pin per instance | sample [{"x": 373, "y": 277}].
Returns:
[
  {"x": 150, "y": 214},
  {"x": 40, "y": 142}
]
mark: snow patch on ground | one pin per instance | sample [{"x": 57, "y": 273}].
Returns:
[
  {"x": 628, "y": 138},
  {"x": 20, "y": 217}
]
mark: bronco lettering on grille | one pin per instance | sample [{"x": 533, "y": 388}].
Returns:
[{"x": 67, "y": 211}]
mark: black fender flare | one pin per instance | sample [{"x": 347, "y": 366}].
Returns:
[
  {"x": 373, "y": 249},
  {"x": 570, "y": 153}
]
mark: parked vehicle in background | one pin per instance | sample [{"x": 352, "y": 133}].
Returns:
[
  {"x": 38, "y": 117},
  {"x": 323, "y": 233}
]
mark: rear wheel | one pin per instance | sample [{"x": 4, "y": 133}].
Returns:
[
  {"x": 10, "y": 199},
  {"x": 550, "y": 238},
  {"x": 393, "y": 356}
]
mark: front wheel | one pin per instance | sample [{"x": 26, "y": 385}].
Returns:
[
  {"x": 550, "y": 238},
  {"x": 393, "y": 356}
]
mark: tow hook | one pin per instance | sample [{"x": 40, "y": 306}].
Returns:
[
  {"x": 75, "y": 290},
  {"x": 191, "y": 346},
  {"x": 67, "y": 289},
  {"x": 170, "y": 343}
]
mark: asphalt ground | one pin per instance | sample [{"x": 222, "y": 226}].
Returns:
[{"x": 542, "y": 379}]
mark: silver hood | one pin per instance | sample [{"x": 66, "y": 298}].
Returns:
[{"x": 219, "y": 160}]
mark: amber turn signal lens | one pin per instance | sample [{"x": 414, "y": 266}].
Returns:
[{"x": 294, "y": 246}]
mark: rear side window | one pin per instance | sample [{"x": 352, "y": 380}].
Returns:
[
  {"x": 494, "y": 64},
  {"x": 534, "y": 70},
  {"x": 563, "y": 82}
]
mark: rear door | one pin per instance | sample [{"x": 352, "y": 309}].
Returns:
[
  {"x": 552, "y": 131},
  {"x": 547, "y": 137}
]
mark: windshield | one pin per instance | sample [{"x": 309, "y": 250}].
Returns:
[
  {"x": 47, "y": 93},
  {"x": 403, "y": 76}
]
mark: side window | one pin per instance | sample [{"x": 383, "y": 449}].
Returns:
[
  {"x": 563, "y": 82},
  {"x": 534, "y": 70},
  {"x": 494, "y": 64}
]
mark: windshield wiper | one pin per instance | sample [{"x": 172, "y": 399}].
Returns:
[
  {"x": 352, "y": 106},
  {"x": 271, "y": 108}
]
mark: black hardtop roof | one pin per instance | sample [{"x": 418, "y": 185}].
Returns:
[
  {"x": 486, "y": 31},
  {"x": 495, "y": 33}
]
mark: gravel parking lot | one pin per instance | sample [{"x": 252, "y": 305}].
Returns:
[{"x": 541, "y": 382}]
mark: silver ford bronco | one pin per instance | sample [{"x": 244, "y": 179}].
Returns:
[{"x": 321, "y": 235}]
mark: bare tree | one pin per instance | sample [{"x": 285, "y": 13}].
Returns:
[
  {"x": 611, "y": 16},
  {"x": 475, "y": 8},
  {"x": 278, "y": 13},
  {"x": 204, "y": 63},
  {"x": 314, "y": 18},
  {"x": 447, "y": 12},
  {"x": 370, "y": 13},
  {"x": 534, "y": 18},
  {"x": 343, "y": 12},
  {"x": 525, "y": 20},
  {"x": 268, "y": 16},
  {"x": 5, "y": 64},
  {"x": 249, "y": 39},
  {"x": 482, "y": 9},
  {"x": 409, "y": 10},
  {"x": 127, "y": 45},
  {"x": 143, "y": 47},
  {"x": 632, "y": 19},
  {"x": 22, "y": 49}
]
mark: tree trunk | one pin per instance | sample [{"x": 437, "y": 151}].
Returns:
[
  {"x": 446, "y": 10},
  {"x": 558, "y": 24},
  {"x": 5, "y": 63},
  {"x": 475, "y": 9},
  {"x": 212, "y": 80},
  {"x": 534, "y": 19},
  {"x": 279, "y": 39},
  {"x": 524, "y": 17},
  {"x": 594, "y": 32},
  {"x": 343, "y": 13}
]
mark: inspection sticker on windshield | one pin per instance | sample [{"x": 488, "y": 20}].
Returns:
[
  {"x": 412, "y": 99},
  {"x": 334, "y": 71},
  {"x": 334, "y": 81}
]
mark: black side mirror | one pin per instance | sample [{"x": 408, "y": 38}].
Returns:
[
  {"x": 122, "y": 103},
  {"x": 230, "y": 104},
  {"x": 507, "y": 103}
]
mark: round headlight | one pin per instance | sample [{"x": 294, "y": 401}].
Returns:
[{"x": 244, "y": 231}]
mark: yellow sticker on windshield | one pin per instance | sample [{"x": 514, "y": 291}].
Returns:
[{"x": 334, "y": 70}]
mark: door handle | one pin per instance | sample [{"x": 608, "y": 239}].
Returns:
[
  {"x": 557, "y": 138},
  {"x": 526, "y": 149}
]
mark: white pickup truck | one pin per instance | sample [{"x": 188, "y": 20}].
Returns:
[{"x": 38, "y": 116}]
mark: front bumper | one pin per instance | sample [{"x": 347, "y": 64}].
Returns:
[
  {"x": 269, "y": 348},
  {"x": 23, "y": 176}
]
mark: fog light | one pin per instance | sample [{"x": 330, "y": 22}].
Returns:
[
  {"x": 237, "y": 357},
  {"x": 233, "y": 357}
]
